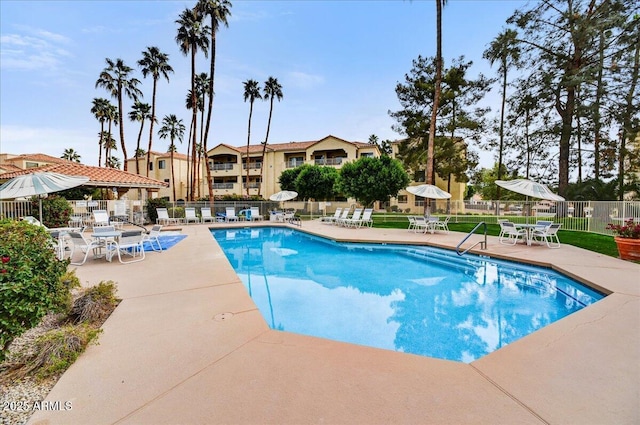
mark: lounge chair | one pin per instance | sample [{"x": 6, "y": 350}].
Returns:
[
  {"x": 549, "y": 235},
  {"x": 442, "y": 224},
  {"x": 230, "y": 214},
  {"x": 353, "y": 220},
  {"x": 129, "y": 244},
  {"x": 206, "y": 215},
  {"x": 511, "y": 233},
  {"x": 164, "y": 219},
  {"x": 331, "y": 219},
  {"x": 78, "y": 241},
  {"x": 412, "y": 222},
  {"x": 100, "y": 218},
  {"x": 365, "y": 219},
  {"x": 343, "y": 216},
  {"x": 190, "y": 215},
  {"x": 255, "y": 214},
  {"x": 500, "y": 222},
  {"x": 152, "y": 237},
  {"x": 32, "y": 220}
]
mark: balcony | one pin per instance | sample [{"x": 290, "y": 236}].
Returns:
[
  {"x": 252, "y": 185},
  {"x": 329, "y": 161},
  {"x": 223, "y": 166},
  {"x": 294, "y": 163},
  {"x": 223, "y": 185},
  {"x": 253, "y": 166}
]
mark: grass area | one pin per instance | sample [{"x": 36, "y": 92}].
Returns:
[{"x": 601, "y": 244}]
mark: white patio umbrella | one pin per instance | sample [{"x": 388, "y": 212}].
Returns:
[
  {"x": 285, "y": 195},
  {"x": 39, "y": 183},
  {"x": 428, "y": 191},
  {"x": 529, "y": 188}
]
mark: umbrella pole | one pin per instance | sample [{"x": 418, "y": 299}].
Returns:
[{"x": 40, "y": 209}]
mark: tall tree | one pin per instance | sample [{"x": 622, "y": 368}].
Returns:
[
  {"x": 71, "y": 155},
  {"x": 156, "y": 64},
  {"x": 272, "y": 90},
  {"x": 251, "y": 93},
  {"x": 140, "y": 112},
  {"x": 172, "y": 128},
  {"x": 436, "y": 94},
  {"x": 116, "y": 79},
  {"x": 191, "y": 38},
  {"x": 504, "y": 50},
  {"x": 109, "y": 142},
  {"x": 99, "y": 107},
  {"x": 219, "y": 12}
]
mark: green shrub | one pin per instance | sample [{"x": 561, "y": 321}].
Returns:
[
  {"x": 30, "y": 279},
  {"x": 95, "y": 304},
  {"x": 55, "y": 210},
  {"x": 153, "y": 204}
]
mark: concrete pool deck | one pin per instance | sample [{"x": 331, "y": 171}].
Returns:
[{"x": 188, "y": 346}]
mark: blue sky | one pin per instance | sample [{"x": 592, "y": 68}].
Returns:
[{"x": 337, "y": 61}]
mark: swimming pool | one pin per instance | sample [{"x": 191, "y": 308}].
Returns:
[{"x": 414, "y": 299}]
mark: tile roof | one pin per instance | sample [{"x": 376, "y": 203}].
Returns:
[
  {"x": 38, "y": 157},
  {"x": 9, "y": 167},
  {"x": 98, "y": 176},
  {"x": 289, "y": 146},
  {"x": 176, "y": 155}
]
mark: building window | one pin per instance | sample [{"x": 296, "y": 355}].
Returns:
[
  {"x": 166, "y": 180},
  {"x": 30, "y": 164},
  {"x": 366, "y": 155},
  {"x": 402, "y": 199},
  {"x": 151, "y": 166},
  {"x": 419, "y": 176},
  {"x": 162, "y": 164}
]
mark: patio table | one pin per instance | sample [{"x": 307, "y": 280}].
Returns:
[
  {"x": 529, "y": 227},
  {"x": 104, "y": 238}
]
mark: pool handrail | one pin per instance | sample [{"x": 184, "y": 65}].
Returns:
[{"x": 483, "y": 244}]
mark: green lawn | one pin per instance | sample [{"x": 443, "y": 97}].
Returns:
[{"x": 592, "y": 241}]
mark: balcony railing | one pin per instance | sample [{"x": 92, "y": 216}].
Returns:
[
  {"x": 251, "y": 185},
  {"x": 223, "y": 185},
  {"x": 223, "y": 166},
  {"x": 294, "y": 163},
  {"x": 252, "y": 166},
  {"x": 328, "y": 161}
]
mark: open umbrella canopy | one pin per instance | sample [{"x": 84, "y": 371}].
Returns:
[
  {"x": 428, "y": 191},
  {"x": 285, "y": 195},
  {"x": 39, "y": 184},
  {"x": 529, "y": 188}
]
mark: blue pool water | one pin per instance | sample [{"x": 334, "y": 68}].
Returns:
[{"x": 414, "y": 299}]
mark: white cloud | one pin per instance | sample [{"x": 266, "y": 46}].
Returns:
[{"x": 28, "y": 52}]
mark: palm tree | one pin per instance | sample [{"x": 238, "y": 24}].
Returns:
[
  {"x": 503, "y": 49},
  {"x": 436, "y": 95},
  {"x": 70, "y": 155},
  {"x": 192, "y": 36},
  {"x": 173, "y": 128},
  {"x": 156, "y": 64},
  {"x": 219, "y": 12},
  {"x": 251, "y": 92},
  {"x": 109, "y": 145},
  {"x": 99, "y": 110},
  {"x": 113, "y": 162},
  {"x": 139, "y": 112},
  {"x": 115, "y": 78},
  {"x": 272, "y": 90},
  {"x": 108, "y": 142}
]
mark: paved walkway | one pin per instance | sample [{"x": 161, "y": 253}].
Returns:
[{"x": 187, "y": 346}]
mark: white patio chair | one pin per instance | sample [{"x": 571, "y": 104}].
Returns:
[
  {"x": 511, "y": 233},
  {"x": 331, "y": 219},
  {"x": 190, "y": 215},
  {"x": 129, "y": 244},
  {"x": 164, "y": 219},
  {"x": 420, "y": 224},
  {"x": 255, "y": 214},
  {"x": 365, "y": 219},
  {"x": 206, "y": 215},
  {"x": 351, "y": 221},
  {"x": 500, "y": 222},
  {"x": 343, "y": 216},
  {"x": 153, "y": 237},
  {"x": 549, "y": 235},
  {"x": 78, "y": 241},
  {"x": 442, "y": 224},
  {"x": 230, "y": 214},
  {"x": 412, "y": 222},
  {"x": 100, "y": 218}
]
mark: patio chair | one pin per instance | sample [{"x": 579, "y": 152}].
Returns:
[
  {"x": 130, "y": 243},
  {"x": 164, "y": 219},
  {"x": 420, "y": 224},
  {"x": 332, "y": 218},
  {"x": 343, "y": 216},
  {"x": 100, "y": 218},
  {"x": 549, "y": 235},
  {"x": 365, "y": 220},
  {"x": 206, "y": 215},
  {"x": 442, "y": 224},
  {"x": 230, "y": 214},
  {"x": 255, "y": 214},
  {"x": 412, "y": 222},
  {"x": 78, "y": 241},
  {"x": 511, "y": 233},
  {"x": 501, "y": 227},
  {"x": 542, "y": 224},
  {"x": 32, "y": 220},
  {"x": 190, "y": 215},
  {"x": 152, "y": 237},
  {"x": 351, "y": 221}
]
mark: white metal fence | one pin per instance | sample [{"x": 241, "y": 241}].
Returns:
[{"x": 585, "y": 216}]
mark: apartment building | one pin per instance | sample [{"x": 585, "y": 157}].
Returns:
[
  {"x": 233, "y": 169},
  {"x": 160, "y": 169}
]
